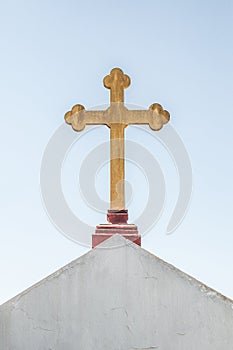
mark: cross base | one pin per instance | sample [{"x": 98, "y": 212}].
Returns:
[{"x": 117, "y": 224}]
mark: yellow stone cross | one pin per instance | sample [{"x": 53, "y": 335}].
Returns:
[{"x": 117, "y": 117}]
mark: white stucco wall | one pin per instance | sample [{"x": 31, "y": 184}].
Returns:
[{"x": 117, "y": 297}]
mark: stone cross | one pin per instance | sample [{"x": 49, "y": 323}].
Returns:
[{"x": 117, "y": 117}]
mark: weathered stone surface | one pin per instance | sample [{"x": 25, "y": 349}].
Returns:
[{"x": 117, "y": 297}]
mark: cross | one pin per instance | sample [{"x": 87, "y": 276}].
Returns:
[{"x": 117, "y": 117}]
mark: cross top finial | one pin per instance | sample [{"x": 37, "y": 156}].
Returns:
[{"x": 116, "y": 81}]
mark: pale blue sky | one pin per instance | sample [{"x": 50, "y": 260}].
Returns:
[{"x": 55, "y": 54}]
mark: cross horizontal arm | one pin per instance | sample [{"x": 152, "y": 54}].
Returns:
[{"x": 117, "y": 113}]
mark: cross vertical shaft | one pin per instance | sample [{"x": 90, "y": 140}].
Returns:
[
  {"x": 117, "y": 167},
  {"x": 117, "y": 117}
]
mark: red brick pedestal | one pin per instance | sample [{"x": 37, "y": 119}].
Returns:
[{"x": 117, "y": 223}]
